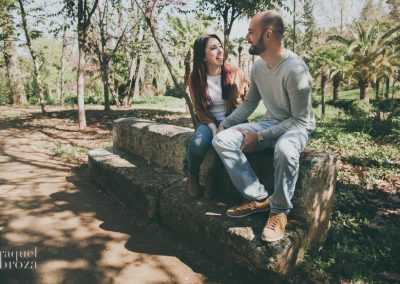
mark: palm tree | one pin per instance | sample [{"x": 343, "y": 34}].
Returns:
[
  {"x": 326, "y": 63},
  {"x": 339, "y": 67},
  {"x": 367, "y": 50}
]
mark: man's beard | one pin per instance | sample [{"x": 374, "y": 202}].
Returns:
[{"x": 258, "y": 48}]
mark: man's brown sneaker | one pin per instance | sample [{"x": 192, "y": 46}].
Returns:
[
  {"x": 247, "y": 208},
  {"x": 275, "y": 227},
  {"x": 193, "y": 187}
]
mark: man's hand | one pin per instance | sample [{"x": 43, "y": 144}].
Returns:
[
  {"x": 220, "y": 127},
  {"x": 250, "y": 140},
  {"x": 213, "y": 128}
]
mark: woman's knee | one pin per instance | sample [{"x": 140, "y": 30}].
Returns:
[{"x": 200, "y": 141}]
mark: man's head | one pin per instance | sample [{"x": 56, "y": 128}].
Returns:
[{"x": 265, "y": 29}]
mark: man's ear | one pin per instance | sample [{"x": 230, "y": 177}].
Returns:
[{"x": 268, "y": 33}]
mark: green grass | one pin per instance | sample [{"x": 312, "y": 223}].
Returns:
[
  {"x": 9, "y": 114},
  {"x": 361, "y": 244},
  {"x": 354, "y": 94},
  {"x": 70, "y": 152},
  {"x": 161, "y": 102}
]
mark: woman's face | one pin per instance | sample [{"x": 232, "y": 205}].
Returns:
[{"x": 214, "y": 53}]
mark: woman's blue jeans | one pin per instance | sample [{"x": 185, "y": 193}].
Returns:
[{"x": 199, "y": 144}]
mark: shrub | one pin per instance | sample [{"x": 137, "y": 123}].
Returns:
[
  {"x": 173, "y": 91},
  {"x": 70, "y": 100},
  {"x": 5, "y": 97}
]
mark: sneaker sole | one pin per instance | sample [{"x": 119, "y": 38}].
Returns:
[
  {"x": 272, "y": 240},
  {"x": 247, "y": 214}
]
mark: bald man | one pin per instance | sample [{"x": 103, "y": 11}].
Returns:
[{"x": 282, "y": 81}]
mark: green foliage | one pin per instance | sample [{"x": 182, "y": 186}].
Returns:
[
  {"x": 371, "y": 51},
  {"x": 5, "y": 97},
  {"x": 360, "y": 245},
  {"x": 73, "y": 100},
  {"x": 72, "y": 153},
  {"x": 355, "y": 249},
  {"x": 173, "y": 91}
]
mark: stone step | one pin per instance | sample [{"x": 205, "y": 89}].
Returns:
[
  {"x": 131, "y": 180},
  {"x": 166, "y": 146},
  {"x": 156, "y": 193}
]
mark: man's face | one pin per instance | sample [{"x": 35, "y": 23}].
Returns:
[{"x": 255, "y": 36}]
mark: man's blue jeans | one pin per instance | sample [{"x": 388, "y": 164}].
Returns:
[
  {"x": 199, "y": 144},
  {"x": 287, "y": 149}
]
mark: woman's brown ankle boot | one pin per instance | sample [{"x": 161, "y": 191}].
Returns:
[{"x": 193, "y": 188}]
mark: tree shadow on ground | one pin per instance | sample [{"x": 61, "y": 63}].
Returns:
[{"x": 152, "y": 240}]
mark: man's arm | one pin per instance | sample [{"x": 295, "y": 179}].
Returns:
[
  {"x": 245, "y": 109},
  {"x": 298, "y": 86}
]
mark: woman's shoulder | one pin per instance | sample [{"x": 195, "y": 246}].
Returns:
[
  {"x": 235, "y": 71},
  {"x": 233, "y": 68}
]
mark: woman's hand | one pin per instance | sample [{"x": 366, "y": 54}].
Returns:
[
  {"x": 213, "y": 128},
  {"x": 220, "y": 127}
]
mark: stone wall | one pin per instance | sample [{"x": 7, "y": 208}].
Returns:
[{"x": 166, "y": 146}]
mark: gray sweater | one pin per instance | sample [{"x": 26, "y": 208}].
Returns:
[{"x": 286, "y": 93}]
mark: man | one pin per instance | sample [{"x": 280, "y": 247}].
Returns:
[{"x": 282, "y": 81}]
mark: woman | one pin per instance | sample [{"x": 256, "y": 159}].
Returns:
[{"x": 216, "y": 90}]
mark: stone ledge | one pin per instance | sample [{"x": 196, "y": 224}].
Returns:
[
  {"x": 133, "y": 182},
  {"x": 166, "y": 145},
  {"x": 233, "y": 241},
  {"x": 156, "y": 194}
]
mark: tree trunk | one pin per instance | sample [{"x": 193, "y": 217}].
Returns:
[
  {"x": 131, "y": 83},
  {"x": 387, "y": 81},
  {"x": 36, "y": 70},
  {"x": 169, "y": 66},
  {"x": 49, "y": 92},
  {"x": 364, "y": 91},
  {"x": 106, "y": 86},
  {"x": 377, "y": 88},
  {"x": 240, "y": 48},
  {"x": 336, "y": 83},
  {"x": 324, "y": 80},
  {"x": 17, "y": 89},
  {"x": 114, "y": 92},
  {"x": 187, "y": 67},
  {"x": 83, "y": 23},
  {"x": 62, "y": 65},
  {"x": 226, "y": 41},
  {"x": 80, "y": 89}
]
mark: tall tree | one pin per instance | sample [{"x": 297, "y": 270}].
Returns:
[
  {"x": 81, "y": 11},
  {"x": 394, "y": 8},
  {"x": 17, "y": 89},
  {"x": 367, "y": 50},
  {"x": 310, "y": 33},
  {"x": 136, "y": 48},
  {"x": 181, "y": 36},
  {"x": 230, "y": 10},
  {"x": 107, "y": 39},
  {"x": 148, "y": 8},
  {"x": 34, "y": 54}
]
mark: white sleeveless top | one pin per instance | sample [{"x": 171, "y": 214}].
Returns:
[{"x": 218, "y": 104}]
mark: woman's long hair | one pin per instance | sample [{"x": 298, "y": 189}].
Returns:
[{"x": 198, "y": 76}]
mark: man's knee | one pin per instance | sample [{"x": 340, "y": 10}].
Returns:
[
  {"x": 228, "y": 139},
  {"x": 285, "y": 152},
  {"x": 217, "y": 141}
]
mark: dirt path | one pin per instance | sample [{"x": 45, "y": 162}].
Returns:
[{"x": 80, "y": 236}]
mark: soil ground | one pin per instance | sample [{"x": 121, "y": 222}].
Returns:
[{"x": 48, "y": 203}]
